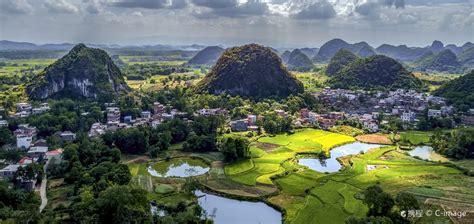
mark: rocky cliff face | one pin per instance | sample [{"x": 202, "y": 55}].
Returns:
[
  {"x": 82, "y": 73},
  {"x": 251, "y": 71}
]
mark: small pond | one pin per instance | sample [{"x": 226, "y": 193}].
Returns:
[
  {"x": 331, "y": 164},
  {"x": 231, "y": 211},
  {"x": 427, "y": 153},
  {"x": 178, "y": 167}
]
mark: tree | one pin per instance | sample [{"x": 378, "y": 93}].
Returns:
[
  {"x": 406, "y": 201},
  {"x": 123, "y": 204},
  {"x": 131, "y": 140},
  {"x": 6, "y": 136},
  {"x": 233, "y": 147},
  {"x": 379, "y": 202}
]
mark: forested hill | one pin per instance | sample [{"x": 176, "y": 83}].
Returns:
[
  {"x": 208, "y": 55},
  {"x": 340, "y": 60},
  {"x": 250, "y": 71},
  {"x": 82, "y": 73},
  {"x": 298, "y": 61},
  {"x": 375, "y": 72},
  {"x": 459, "y": 91}
]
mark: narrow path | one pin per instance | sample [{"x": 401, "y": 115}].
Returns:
[{"x": 44, "y": 199}]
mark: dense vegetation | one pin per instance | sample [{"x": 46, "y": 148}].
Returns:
[
  {"x": 298, "y": 61},
  {"x": 84, "y": 72},
  {"x": 457, "y": 144},
  {"x": 444, "y": 61},
  {"x": 340, "y": 60},
  {"x": 207, "y": 56},
  {"x": 250, "y": 71},
  {"x": 375, "y": 72},
  {"x": 330, "y": 48},
  {"x": 383, "y": 208},
  {"x": 459, "y": 91}
]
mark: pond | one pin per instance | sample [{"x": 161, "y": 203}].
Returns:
[
  {"x": 331, "y": 164},
  {"x": 427, "y": 153},
  {"x": 178, "y": 167},
  {"x": 230, "y": 211}
]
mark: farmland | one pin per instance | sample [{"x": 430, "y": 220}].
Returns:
[
  {"x": 303, "y": 195},
  {"x": 306, "y": 195}
]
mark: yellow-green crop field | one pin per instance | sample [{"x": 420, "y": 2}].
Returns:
[{"x": 308, "y": 196}]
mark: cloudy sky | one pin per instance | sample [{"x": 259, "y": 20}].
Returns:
[{"x": 229, "y": 22}]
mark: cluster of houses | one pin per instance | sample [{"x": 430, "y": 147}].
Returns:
[
  {"x": 153, "y": 118},
  {"x": 26, "y": 110},
  {"x": 37, "y": 151},
  {"x": 365, "y": 106}
]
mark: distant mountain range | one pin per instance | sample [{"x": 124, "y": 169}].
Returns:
[
  {"x": 12, "y": 45},
  {"x": 418, "y": 58}
]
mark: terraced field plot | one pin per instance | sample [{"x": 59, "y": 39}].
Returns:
[
  {"x": 267, "y": 163},
  {"x": 308, "y": 196},
  {"x": 338, "y": 192}
]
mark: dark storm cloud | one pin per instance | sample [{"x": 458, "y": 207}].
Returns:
[
  {"x": 216, "y": 4},
  {"x": 250, "y": 8},
  {"x": 372, "y": 8},
  {"x": 317, "y": 10}
]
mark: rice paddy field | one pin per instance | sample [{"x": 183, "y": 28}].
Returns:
[{"x": 308, "y": 196}]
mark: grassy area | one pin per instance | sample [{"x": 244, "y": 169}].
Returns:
[
  {"x": 312, "y": 81},
  {"x": 415, "y": 137},
  {"x": 347, "y": 130},
  {"x": 266, "y": 163}
]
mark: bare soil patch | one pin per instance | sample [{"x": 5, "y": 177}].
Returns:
[
  {"x": 268, "y": 147},
  {"x": 375, "y": 139}
]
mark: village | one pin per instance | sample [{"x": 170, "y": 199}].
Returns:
[{"x": 366, "y": 110}]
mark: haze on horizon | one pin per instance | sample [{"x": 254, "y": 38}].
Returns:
[{"x": 280, "y": 23}]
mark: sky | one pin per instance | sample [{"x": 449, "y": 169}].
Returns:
[{"x": 278, "y": 23}]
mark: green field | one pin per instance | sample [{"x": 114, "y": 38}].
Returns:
[
  {"x": 308, "y": 196},
  {"x": 269, "y": 157},
  {"x": 415, "y": 137}
]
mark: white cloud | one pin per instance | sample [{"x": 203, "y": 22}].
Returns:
[
  {"x": 61, "y": 6},
  {"x": 15, "y": 6}
]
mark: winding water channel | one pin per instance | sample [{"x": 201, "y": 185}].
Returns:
[{"x": 331, "y": 164}]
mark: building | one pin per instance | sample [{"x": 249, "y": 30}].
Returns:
[
  {"x": 37, "y": 152},
  {"x": 238, "y": 125},
  {"x": 408, "y": 117},
  {"x": 434, "y": 113},
  {"x": 146, "y": 114},
  {"x": 252, "y": 120},
  {"x": 467, "y": 120},
  {"x": 9, "y": 171},
  {"x": 24, "y": 136},
  {"x": 23, "y": 107},
  {"x": 158, "y": 108},
  {"x": 113, "y": 114},
  {"x": 447, "y": 110},
  {"x": 55, "y": 154},
  {"x": 97, "y": 129},
  {"x": 44, "y": 107},
  {"x": 3, "y": 123},
  {"x": 371, "y": 126},
  {"x": 304, "y": 113},
  {"x": 67, "y": 136},
  {"x": 281, "y": 113},
  {"x": 128, "y": 119}
]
